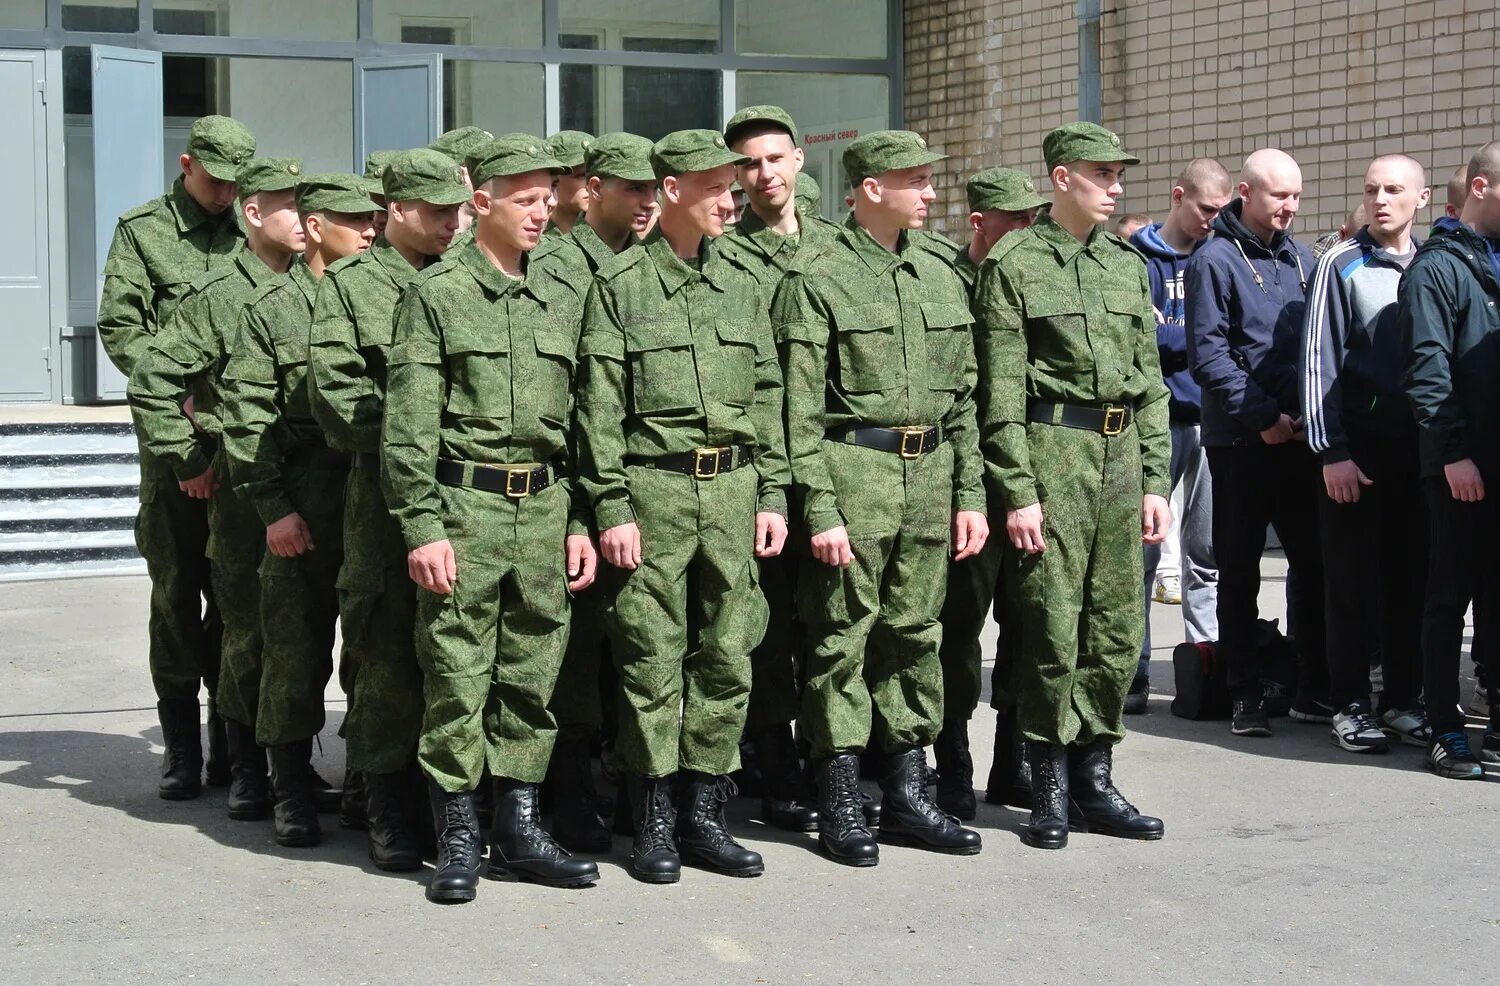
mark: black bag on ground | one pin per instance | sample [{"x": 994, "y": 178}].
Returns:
[
  {"x": 1202, "y": 685},
  {"x": 1278, "y": 662}
]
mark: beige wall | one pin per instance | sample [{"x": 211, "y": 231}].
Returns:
[{"x": 1334, "y": 83}]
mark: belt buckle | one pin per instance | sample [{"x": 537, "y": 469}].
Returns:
[
  {"x": 911, "y": 442},
  {"x": 706, "y": 455},
  {"x": 1114, "y": 421},
  {"x": 517, "y": 482}
]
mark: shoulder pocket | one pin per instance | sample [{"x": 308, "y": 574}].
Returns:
[
  {"x": 663, "y": 374},
  {"x": 869, "y": 346}
]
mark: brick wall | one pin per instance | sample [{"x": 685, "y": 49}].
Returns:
[{"x": 1334, "y": 83}]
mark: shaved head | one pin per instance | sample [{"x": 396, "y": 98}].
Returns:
[
  {"x": 1458, "y": 190},
  {"x": 1204, "y": 174},
  {"x": 1485, "y": 164},
  {"x": 1270, "y": 191},
  {"x": 1408, "y": 168},
  {"x": 1482, "y": 197},
  {"x": 1269, "y": 166}
]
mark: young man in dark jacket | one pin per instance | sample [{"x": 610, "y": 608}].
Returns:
[
  {"x": 1246, "y": 291},
  {"x": 1200, "y": 192},
  {"x": 1359, "y": 423},
  {"x": 1449, "y": 316}
]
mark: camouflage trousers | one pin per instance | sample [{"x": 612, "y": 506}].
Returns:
[
  {"x": 171, "y": 533},
  {"x": 299, "y": 610},
  {"x": 684, "y": 705},
  {"x": 490, "y": 650},
  {"x": 236, "y": 545},
  {"x": 576, "y": 703},
  {"x": 377, "y": 611},
  {"x": 1079, "y": 610},
  {"x": 872, "y": 628}
]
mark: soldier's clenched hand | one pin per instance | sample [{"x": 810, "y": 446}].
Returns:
[
  {"x": 200, "y": 487},
  {"x": 1156, "y": 518},
  {"x": 1024, "y": 528},
  {"x": 832, "y": 547},
  {"x": 433, "y": 567},
  {"x": 971, "y": 529},
  {"x": 289, "y": 536},
  {"x": 621, "y": 546},
  {"x": 582, "y": 560},
  {"x": 770, "y": 534}
]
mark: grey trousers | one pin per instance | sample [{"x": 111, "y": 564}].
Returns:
[{"x": 1200, "y": 576}]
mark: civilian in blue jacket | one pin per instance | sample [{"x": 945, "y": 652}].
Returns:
[
  {"x": 1358, "y": 421},
  {"x": 1448, "y": 310},
  {"x": 1200, "y": 192},
  {"x": 1246, "y": 294}
]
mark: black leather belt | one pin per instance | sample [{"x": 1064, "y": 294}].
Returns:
[
  {"x": 909, "y": 443},
  {"x": 1106, "y": 419},
  {"x": 315, "y": 457},
  {"x": 516, "y": 482},
  {"x": 702, "y": 463},
  {"x": 367, "y": 460}
]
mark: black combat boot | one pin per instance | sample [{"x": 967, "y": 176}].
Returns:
[
  {"x": 328, "y": 797},
  {"x": 575, "y": 803},
  {"x": 955, "y": 767},
  {"x": 842, "y": 832},
  {"x": 182, "y": 761},
  {"x": 1095, "y": 803},
  {"x": 216, "y": 770},
  {"x": 1010, "y": 772},
  {"x": 392, "y": 844},
  {"x": 1048, "y": 828},
  {"x": 458, "y": 853},
  {"x": 249, "y": 785},
  {"x": 292, "y": 786},
  {"x": 784, "y": 802},
  {"x": 353, "y": 812},
  {"x": 653, "y": 857},
  {"x": 520, "y": 849},
  {"x": 908, "y": 816},
  {"x": 702, "y": 833}
]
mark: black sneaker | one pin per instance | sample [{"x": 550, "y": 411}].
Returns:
[
  {"x": 1489, "y": 749},
  {"x": 1307, "y": 709},
  {"x": 1450, "y": 756},
  {"x": 1136, "y": 699},
  {"x": 1250, "y": 717}
]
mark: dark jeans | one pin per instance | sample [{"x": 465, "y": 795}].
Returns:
[
  {"x": 1375, "y": 568},
  {"x": 1257, "y": 485},
  {"x": 1461, "y": 568}
]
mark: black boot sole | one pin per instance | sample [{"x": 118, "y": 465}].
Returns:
[
  {"x": 300, "y": 841},
  {"x": 249, "y": 814},
  {"x": 451, "y": 896},
  {"x": 512, "y": 875},
  {"x": 1039, "y": 843},
  {"x": 857, "y": 861},
  {"x": 396, "y": 865},
  {"x": 656, "y": 877},
  {"x": 699, "y": 863},
  {"x": 897, "y": 837},
  {"x": 1116, "y": 833},
  {"x": 179, "y": 794}
]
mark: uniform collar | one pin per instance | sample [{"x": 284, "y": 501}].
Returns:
[
  {"x": 1064, "y": 243},
  {"x": 594, "y": 248},
  {"x": 494, "y": 282},
  {"x": 185, "y": 210},
  {"x": 876, "y": 257},
  {"x": 391, "y": 259},
  {"x": 302, "y": 276},
  {"x": 254, "y": 268},
  {"x": 752, "y": 229},
  {"x": 674, "y": 273}
]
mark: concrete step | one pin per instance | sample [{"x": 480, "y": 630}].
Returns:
[
  {"x": 72, "y": 514},
  {"x": 119, "y": 564},
  {"x": 82, "y": 475},
  {"x": 44, "y": 543},
  {"x": 53, "y": 443}
]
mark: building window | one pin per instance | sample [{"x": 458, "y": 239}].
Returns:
[
  {"x": 489, "y": 23},
  {"x": 827, "y": 28},
  {"x": 434, "y": 32},
  {"x": 303, "y": 20},
  {"x": 667, "y": 23}
]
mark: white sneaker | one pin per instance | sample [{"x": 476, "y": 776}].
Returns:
[
  {"x": 1407, "y": 725},
  {"x": 1168, "y": 590},
  {"x": 1479, "y": 705},
  {"x": 1355, "y": 730}
]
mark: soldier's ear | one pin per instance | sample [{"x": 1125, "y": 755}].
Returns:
[
  {"x": 186, "y": 164},
  {"x": 250, "y": 208},
  {"x": 1060, "y": 177},
  {"x": 670, "y": 192},
  {"x": 595, "y": 186}
]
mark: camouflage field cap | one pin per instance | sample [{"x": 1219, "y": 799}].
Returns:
[
  {"x": 885, "y": 150},
  {"x": 620, "y": 155},
  {"x": 692, "y": 150},
  {"x": 808, "y": 195},
  {"x": 1084, "y": 142},
  {"x": 221, "y": 144},
  {"x": 759, "y": 116},
  {"x": 570, "y": 147},
  {"x": 459, "y": 144},
  {"x": 425, "y": 175},
  {"x": 267, "y": 174},
  {"x": 375, "y": 166},
  {"x": 1005, "y": 189},
  {"x": 335, "y": 193},
  {"x": 512, "y": 154}
]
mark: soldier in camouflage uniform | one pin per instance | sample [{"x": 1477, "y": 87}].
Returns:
[
  {"x": 772, "y": 231},
  {"x": 184, "y": 360},
  {"x": 159, "y": 248},
  {"x": 477, "y": 470},
  {"x": 1076, "y": 444},
  {"x": 880, "y": 373},
  {"x": 1001, "y": 200},
  {"x": 281, "y": 465},
  {"x": 571, "y": 147},
  {"x": 375, "y": 165},
  {"x": 682, "y": 452},
  {"x": 350, "y": 341},
  {"x": 622, "y": 199},
  {"x": 459, "y": 144},
  {"x": 809, "y": 196}
]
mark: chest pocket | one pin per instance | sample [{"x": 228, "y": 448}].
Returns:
[
  {"x": 164, "y": 298},
  {"x": 662, "y": 370},
  {"x": 869, "y": 347},
  {"x": 557, "y": 356},
  {"x": 734, "y": 367},
  {"x": 948, "y": 339},
  {"x": 1057, "y": 333},
  {"x": 478, "y": 361}
]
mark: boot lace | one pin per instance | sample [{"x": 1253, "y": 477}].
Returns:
[
  {"x": 657, "y": 822},
  {"x": 538, "y": 838},
  {"x": 708, "y": 811},
  {"x": 848, "y": 807}
]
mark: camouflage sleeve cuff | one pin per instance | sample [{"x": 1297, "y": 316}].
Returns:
[
  {"x": 578, "y": 524},
  {"x": 970, "y": 500},
  {"x": 274, "y": 508},
  {"x": 1019, "y": 495},
  {"x": 613, "y": 513},
  {"x": 823, "y": 521},
  {"x": 422, "y": 531},
  {"x": 192, "y": 465},
  {"x": 1157, "y": 488},
  {"x": 772, "y": 501}
]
